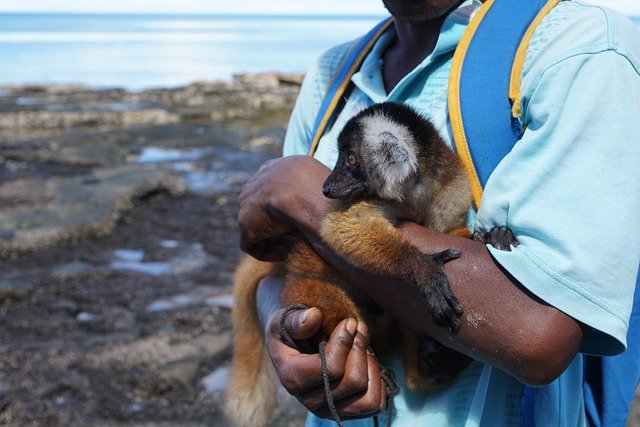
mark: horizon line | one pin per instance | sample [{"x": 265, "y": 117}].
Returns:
[
  {"x": 192, "y": 13},
  {"x": 317, "y": 14}
]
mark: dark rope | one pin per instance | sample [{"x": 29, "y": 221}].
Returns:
[
  {"x": 392, "y": 390},
  {"x": 386, "y": 374},
  {"x": 327, "y": 384},
  {"x": 284, "y": 334}
]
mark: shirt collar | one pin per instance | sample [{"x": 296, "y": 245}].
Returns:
[{"x": 369, "y": 78}]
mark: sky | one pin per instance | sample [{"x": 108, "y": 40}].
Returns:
[{"x": 360, "y": 7}]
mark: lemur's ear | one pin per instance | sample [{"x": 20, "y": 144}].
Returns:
[
  {"x": 392, "y": 146},
  {"x": 390, "y": 150}
]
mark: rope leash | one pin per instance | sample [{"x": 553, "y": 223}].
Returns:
[
  {"x": 393, "y": 389},
  {"x": 328, "y": 396},
  {"x": 386, "y": 374},
  {"x": 283, "y": 331}
]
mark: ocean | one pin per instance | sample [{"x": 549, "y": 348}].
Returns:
[{"x": 144, "y": 51}]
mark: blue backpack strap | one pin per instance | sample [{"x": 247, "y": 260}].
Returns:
[
  {"x": 342, "y": 78},
  {"x": 484, "y": 84},
  {"x": 611, "y": 382},
  {"x": 484, "y": 105},
  {"x": 484, "y": 98}
]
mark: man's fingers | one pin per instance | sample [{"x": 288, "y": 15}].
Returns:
[
  {"x": 339, "y": 346},
  {"x": 300, "y": 373},
  {"x": 369, "y": 401},
  {"x": 356, "y": 384},
  {"x": 355, "y": 376}
]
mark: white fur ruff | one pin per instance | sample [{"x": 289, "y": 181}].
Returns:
[{"x": 394, "y": 148}]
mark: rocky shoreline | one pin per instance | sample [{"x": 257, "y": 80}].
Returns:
[{"x": 117, "y": 245}]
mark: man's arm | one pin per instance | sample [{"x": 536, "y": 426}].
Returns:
[{"x": 502, "y": 324}]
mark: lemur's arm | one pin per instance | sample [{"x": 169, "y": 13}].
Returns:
[
  {"x": 502, "y": 323},
  {"x": 367, "y": 240}
]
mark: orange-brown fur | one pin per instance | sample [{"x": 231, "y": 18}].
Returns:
[
  {"x": 251, "y": 392},
  {"x": 363, "y": 232}
]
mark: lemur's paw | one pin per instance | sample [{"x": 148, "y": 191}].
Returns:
[
  {"x": 441, "y": 302},
  {"x": 501, "y": 238}
]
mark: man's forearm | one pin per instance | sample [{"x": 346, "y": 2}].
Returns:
[
  {"x": 268, "y": 299},
  {"x": 502, "y": 324}
]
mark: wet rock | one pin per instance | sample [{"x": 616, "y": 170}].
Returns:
[
  {"x": 67, "y": 208},
  {"x": 217, "y": 380},
  {"x": 110, "y": 319},
  {"x": 71, "y": 270},
  {"x": 3, "y": 400},
  {"x": 198, "y": 298},
  {"x": 27, "y": 120},
  {"x": 160, "y": 351},
  {"x": 225, "y": 301},
  {"x": 86, "y": 317},
  {"x": 190, "y": 259},
  {"x": 37, "y": 108},
  {"x": 46, "y": 156},
  {"x": 15, "y": 287},
  {"x": 131, "y": 255},
  {"x": 69, "y": 306},
  {"x": 7, "y": 234},
  {"x": 169, "y": 244},
  {"x": 193, "y": 259},
  {"x": 151, "y": 268}
]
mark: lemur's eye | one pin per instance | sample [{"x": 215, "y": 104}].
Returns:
[{"x": 352, "y": 159}]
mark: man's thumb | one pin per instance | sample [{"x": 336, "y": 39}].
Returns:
[{"x": 303, "y": 324}]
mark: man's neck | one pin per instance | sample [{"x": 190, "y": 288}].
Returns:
[{"x": 414, "y": 42}]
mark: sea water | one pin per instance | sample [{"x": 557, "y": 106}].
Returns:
[{"x": 143, "y": 51}]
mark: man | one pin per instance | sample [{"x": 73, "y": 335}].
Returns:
[{"x": 569, "y": 190}]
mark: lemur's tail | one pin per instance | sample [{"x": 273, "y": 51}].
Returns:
[{"x": 252, "y": 391}]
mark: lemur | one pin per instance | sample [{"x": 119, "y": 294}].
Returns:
[{"x": 392, "y": 165}]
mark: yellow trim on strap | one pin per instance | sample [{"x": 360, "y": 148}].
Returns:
[
  {"x": 345, "y": 82},
  {"x": 518, "y": 63},
  {"x": 454, "y": 101}
]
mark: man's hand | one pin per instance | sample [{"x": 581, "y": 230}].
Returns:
[
  {"x": 356, "y": 385},
  {"x": 285, "y": 194}
]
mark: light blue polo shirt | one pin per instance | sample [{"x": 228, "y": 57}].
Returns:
[{"x": 569, "y": 190}]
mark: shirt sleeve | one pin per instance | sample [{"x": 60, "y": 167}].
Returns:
[
  {"x": 314, "y": 86},
  {"x": 570, "y": 192},
  {"x": 297, "y": 140}
]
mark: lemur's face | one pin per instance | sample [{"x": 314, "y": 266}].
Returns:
[{"x": 348, "y": 179}]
